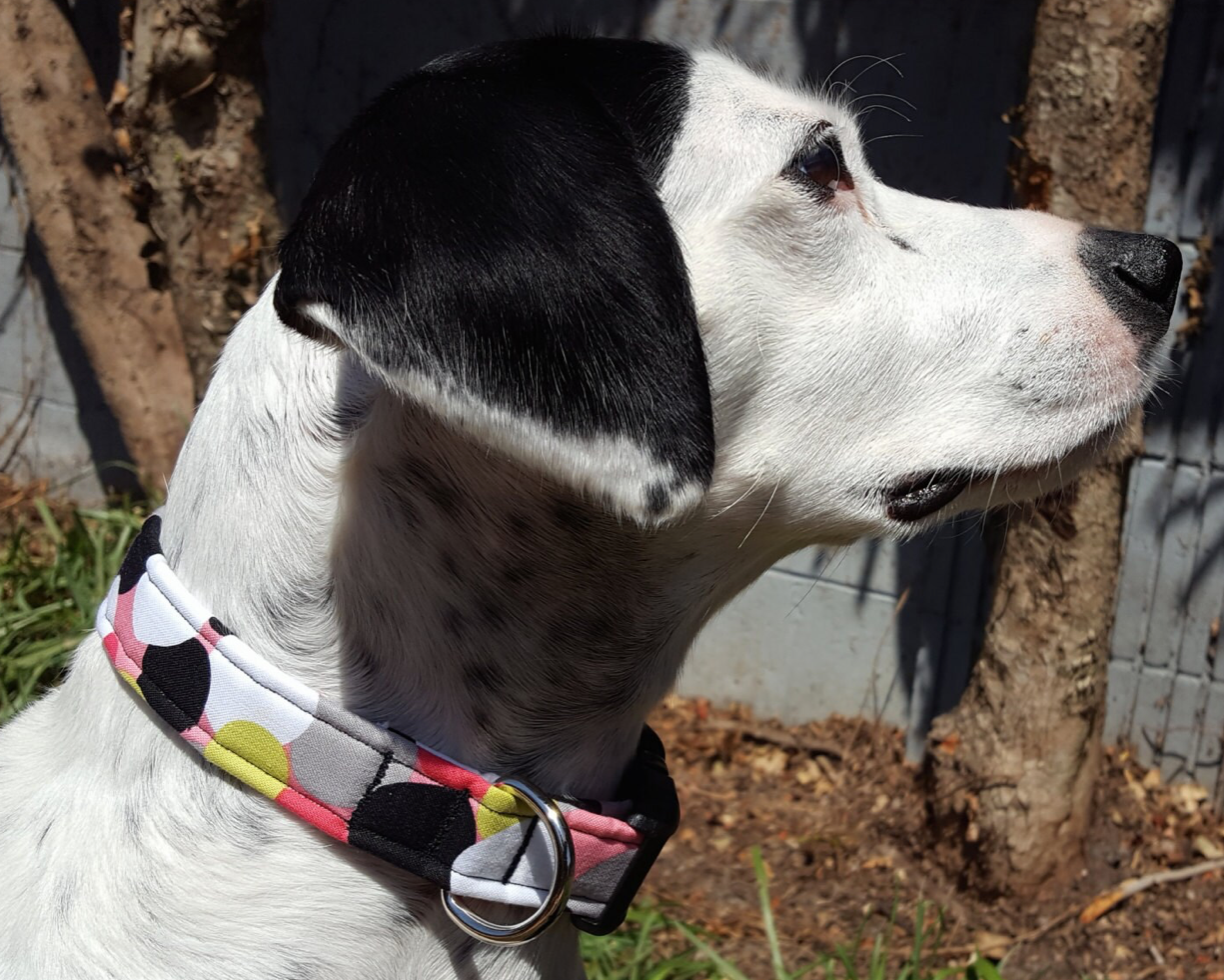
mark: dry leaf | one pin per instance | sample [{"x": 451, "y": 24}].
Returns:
[
  {"x": 1187, "y": 797},
  {"x": 119, "y": 94},
  {"x": 1136, "y": 788},
  {"x": 881, "y": 861},
  {"x": 1208, "y": 848},
  {"x": 1215, "y": 937},
  {"x": 1151, "y": 779},
  {"x": 992, "y": 945}
]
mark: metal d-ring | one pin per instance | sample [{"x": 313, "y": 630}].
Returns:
[{"x": 517, "y": 933}]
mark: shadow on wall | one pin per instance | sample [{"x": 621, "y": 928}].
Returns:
[
  {"x": 932, "y": 88},
  {"x": 326, "y": 59},
  {"x": 1166, "y": 675}
]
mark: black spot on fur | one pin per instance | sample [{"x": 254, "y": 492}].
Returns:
[
  {"x": 43, "y": 835},
  {"x": 518, "y": 573},
  {"x": 436, "y": 491},
  {"x": 450, "y": 566},
  {"x": 490, "y": 613},
  {"x": 453, "y": 621},
  {"x": 487, "y": 678},
  {"x": 65, "y": 897},
  {"x": 901, "y": 243},
  {"x": 657, "y": 499},
  {"x": 132, "y": 820}
]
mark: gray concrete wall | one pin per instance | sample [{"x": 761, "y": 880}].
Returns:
[{"x": 1166, "y": 679}]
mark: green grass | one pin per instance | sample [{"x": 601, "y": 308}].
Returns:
[
  {"x": 54, "y": 572},
  {"x": 632, "y": 952}
]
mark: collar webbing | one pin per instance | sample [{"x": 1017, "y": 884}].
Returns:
[{"x": 363, "y": 784}]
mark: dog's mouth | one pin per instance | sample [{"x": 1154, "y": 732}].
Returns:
[{"x": 921, "y": 496}]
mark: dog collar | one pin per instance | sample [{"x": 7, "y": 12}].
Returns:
[{"x": 372, "y": 787}]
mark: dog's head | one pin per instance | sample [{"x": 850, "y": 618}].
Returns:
[{"x": 653, "y": 276}]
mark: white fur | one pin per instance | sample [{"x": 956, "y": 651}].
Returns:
[{"x": 839, "y": 364}]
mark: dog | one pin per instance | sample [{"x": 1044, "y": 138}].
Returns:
[{"x": 572, "y": 339}]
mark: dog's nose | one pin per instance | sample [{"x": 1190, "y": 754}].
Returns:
[{"x": 1137, "y": 274}]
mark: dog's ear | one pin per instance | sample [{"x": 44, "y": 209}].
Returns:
[{"x": 488, "y": 239}]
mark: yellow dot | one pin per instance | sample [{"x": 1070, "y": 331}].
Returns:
[
  {"x": 500, "y": 809},
  {"x": 251, "y": 753}
]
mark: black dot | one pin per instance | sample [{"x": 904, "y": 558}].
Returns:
[
  {"x": 656, "y": 499},
  {"x": 175, "y": 680}
]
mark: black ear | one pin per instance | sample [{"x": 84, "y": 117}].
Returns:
[{"x": 488, "y": 239}]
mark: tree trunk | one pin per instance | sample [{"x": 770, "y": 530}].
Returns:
[
  {"x": 194, "y": 116},
  {"x": 56, "y": 125},
  {"x": 1011, "y": 770}
]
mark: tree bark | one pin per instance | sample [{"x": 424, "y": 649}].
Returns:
[
  {"x": 194, "y": 114},
  {"x": 1011, "y": 770},
  {"x": 57, "y": 128}
]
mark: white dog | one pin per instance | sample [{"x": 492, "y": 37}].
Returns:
[{"x": 572, "y": 339}]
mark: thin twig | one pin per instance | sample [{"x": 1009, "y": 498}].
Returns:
[
  {"x": 785, "y": 739},
  {"x": 1133, "y": 886}
]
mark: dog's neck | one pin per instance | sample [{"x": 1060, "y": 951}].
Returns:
[{"x": 433, "y": 585}]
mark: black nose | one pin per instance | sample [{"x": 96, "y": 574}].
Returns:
[{"x": 1137, "y": 274}]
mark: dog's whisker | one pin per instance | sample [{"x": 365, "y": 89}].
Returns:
[
  {"x": 896, "y": 112},
  {"x": 876, "y": 64},
  {"x": 891, "y": 136},
  {"x": 762, "y": 515},
  {"x": 740, "y": 497},
  {"x": 883, "y": 95}
]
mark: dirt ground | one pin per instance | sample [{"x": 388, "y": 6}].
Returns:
[{"x": 840, "y": 819}]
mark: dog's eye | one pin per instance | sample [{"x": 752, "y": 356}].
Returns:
[{"x": 822, "y": 166}]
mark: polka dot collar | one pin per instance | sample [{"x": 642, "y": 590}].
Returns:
[{"x": 362, "y": 784}]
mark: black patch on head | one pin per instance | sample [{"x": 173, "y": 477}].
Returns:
[
  {"x": 901, "y": 243},
  {"x": 595, "y": 628},
  {"x": 492, "y": 223}
]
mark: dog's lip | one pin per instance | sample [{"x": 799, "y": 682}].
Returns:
[
  {"x": 925, "y": 492},
  {"x": 922, "y": 494}
]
